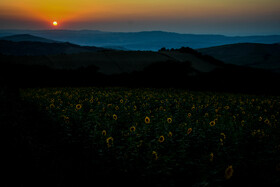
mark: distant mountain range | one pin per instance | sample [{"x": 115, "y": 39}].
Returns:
[{"x": 146, "y": 40}]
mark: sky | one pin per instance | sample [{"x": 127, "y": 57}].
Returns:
[{"x": 228, "y": 17}]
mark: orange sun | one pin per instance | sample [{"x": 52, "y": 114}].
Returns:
[{"x": 55, "y": 23}]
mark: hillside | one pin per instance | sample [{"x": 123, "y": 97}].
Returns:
[
  {"x": 266, "y": 56},
  {"x": 41, "y": 48},
  {"x": 65, "y": 64},
  {"x": 111, "y": 62},
  {"x": 146, "y": 40},
  {"x": 70, "y": 56},
  {"x": 26, "y": 38}
]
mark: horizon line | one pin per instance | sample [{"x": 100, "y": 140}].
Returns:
[{"x": 163, "y": 31}]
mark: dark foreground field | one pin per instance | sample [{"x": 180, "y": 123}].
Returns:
[{"x": 135, "y": 137}]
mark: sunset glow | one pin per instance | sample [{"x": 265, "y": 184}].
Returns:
[
  {"x": 229, "y": 16},
  {"x": 55, "y": 23}
]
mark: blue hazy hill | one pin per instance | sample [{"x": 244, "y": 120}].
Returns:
[{"x": 146, "y": 40}]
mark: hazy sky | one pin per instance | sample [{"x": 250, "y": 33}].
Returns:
[{"x": 230, "y": 17}]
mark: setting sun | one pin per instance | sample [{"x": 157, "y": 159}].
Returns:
[{"x": 55, "y": 23}]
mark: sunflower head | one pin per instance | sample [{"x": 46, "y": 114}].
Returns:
[
  {"x": 170, "y": 134},
  {"x": 52, "y": 105},
  {"x": 132, "y": 129},
  {"x": 155, "y": 155},
  {"x": 78, "y": 106},
  {"x": 267, "y": 121},
  {"x": 115, "y": 117},
  {"x": 228, "y": 172},
  {"x": 226, "y": 107},
  {"x": 147, "y": 120},
  {"x": 211, "y": 157},
  {"x": 189, "y": 130},
  {"x": 169, "y": 120},
  {"x": 212, "y": 123},
  {"x": 223, "y": 134},
  {"x": 104, "y": 132},
  {"x": 109, "y": 141},
  {"x": 161, "y": 139}
]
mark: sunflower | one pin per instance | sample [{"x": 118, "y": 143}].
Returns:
[
  {"x": 161, "y": 139},
  {"x": 132, "y": 129},
  {"x": 189, "y": 115},
  {"x": 211, "y": 157},
  {"x": 170, "y": 134},
  {"x": 135, "y": 108},
  {"x": 155, "y": 155},
  {"x": 212, "y": 123},
  {"x": 147, "y": 120},
  {"x": 52, "y": 105},
  {"x": 223, "y": 134},
  {"x": 228, "y": 172},
  {"x": 267, "y": 121},
  {"x": 78, "y": 106},
  {"x": 226, "y": 107},
  {"x": 115, "y": 117},
  {"x": 121, "y": 101},
  {"x": 109, "y": 141},
  {"x": 221, "y": 141},
  {"x": 117, "y": 108},
  {"x": 169, "y": 120},
  {"x": 104, "y": 132},
  {"x": 189, "y": 130}
]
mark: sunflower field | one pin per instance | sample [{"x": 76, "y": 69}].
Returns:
[{"x": 170, "y": 136}]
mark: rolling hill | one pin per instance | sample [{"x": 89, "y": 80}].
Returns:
[
  {"x": 265, "y": 56},
  {"x": 83, "y": 70},
  {"x": 26, "y": 38},
  {"x": 27, "y": 45},
  {"x": 65, "y": 64},
  {"x": 71, "y": 56}
]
